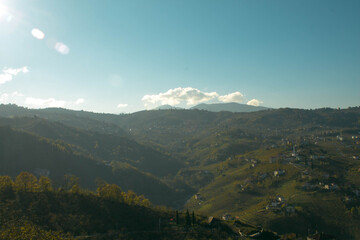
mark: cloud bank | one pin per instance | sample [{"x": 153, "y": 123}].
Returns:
[
  {"x": 192, "y": 96},
  {"x": 33, "y": 102},
  {"x": 8, "y": 73},
  {"x": 254, "y": 102},
  {"x": 4, "y": 97},
  {"x": 179, "y": 95},
  {"x": 44, "y": 103},
  {"x": 232, "y": 97},
  {"x": 10, "y": 97}
]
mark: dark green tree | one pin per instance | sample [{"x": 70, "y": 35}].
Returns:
[
  {"x": 177, "y": 217},
  {"x": 187, "y": 218},
  {"x": 193, "y": 220},
  {"x": 45, "y": 184},
  {"x": 71, "y": 183}
]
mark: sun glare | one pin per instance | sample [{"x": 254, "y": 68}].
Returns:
[
  {"x": 5, "y": 13},
  {"x": 3, "y": 10}
]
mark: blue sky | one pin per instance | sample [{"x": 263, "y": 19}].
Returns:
[{"x": 124, "y": 56}]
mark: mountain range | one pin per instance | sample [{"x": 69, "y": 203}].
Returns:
[
  {"x": 210, "y": 162},
  {"x": 230, "y": 107},
  {"x": 219, "y": 107}
]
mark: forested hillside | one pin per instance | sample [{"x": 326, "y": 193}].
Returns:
[
  {"x": 106, "y": 147},
  {"x": 32, "y": 208},
  {"x": 292, "y": 171},
  {"x": 20, "y": 151}
]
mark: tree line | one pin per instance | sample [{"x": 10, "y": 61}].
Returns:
[{"x": 28, "y": 182}]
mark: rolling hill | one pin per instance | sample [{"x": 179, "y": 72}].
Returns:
[
  {"x": 102, "y": 146},
  {"x": 21, "y": 151},
  {"x": 238, "y": 163},
  {"x": 314, "y": 191}
]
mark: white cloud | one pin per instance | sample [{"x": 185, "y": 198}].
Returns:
[
  {"x": 8, "y": 73},
  {"x": 122, "y": 105},
  {"x": 254, "y": 102},
  {"x": 192, "y": 96},
  {"x": 15, "y": 71},
  {"x": 10, "y": 97},
  {"x": 79, "y": 101},
  {"x": 5, "y": 78},
  {"x": 232, "y": 97},
  {"x": 4, "y": 97},
  {"x": 44, "y": 103},
  {"x": 179, "y": 95}
]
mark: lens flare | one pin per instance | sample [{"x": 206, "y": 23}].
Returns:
[
  {"x": 3, "y": 10},
  {"x": 62, "y": 48},
  {"x": 9, "y": 18},
  {"x": 5, "y": 14},
  {"x": 37, "y": 34}
]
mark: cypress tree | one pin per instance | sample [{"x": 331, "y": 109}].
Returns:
[
  {"x": 187, "y": 218},
  {"x": 193, "y": 220},
  {"x": 177, "y": 217}
]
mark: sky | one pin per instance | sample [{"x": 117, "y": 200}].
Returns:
[{"x": 118, "y": 56}]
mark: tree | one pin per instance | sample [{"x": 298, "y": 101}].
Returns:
[
  {"x": 28, "y": 230},
  {"x": 100, "y": 182},
  {"x": 26, "y": 181},
  {"x": 177, "y": 217},
  {"x": 71, "y": 183},
  {"x": 130, "y": 197},
  {"x": 6, "y": 186},
  {"x": 193, "y": 220},
  {"x": 110, "y": 191},
  {"x": 143, "y": 201},
  {"x": 6, "y": 183},
  {"x": 187, "y": 218},
  {"x": 45, "y": 184}
]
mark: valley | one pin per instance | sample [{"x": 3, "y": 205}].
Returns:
[{"x": 290, "y": 171}]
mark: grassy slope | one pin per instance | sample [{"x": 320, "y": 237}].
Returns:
[{"x": 325, "y": 211}]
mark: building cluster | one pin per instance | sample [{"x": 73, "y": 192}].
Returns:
[
  {"x": 279, "y": 204},
  {"x": 278, "y": 173}
]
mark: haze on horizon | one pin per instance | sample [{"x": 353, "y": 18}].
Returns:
[{"x": 125, "y": 56}]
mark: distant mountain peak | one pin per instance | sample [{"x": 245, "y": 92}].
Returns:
[
  {"x": 166, "y": 107},
  {"x": 230, "y": 107}
]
